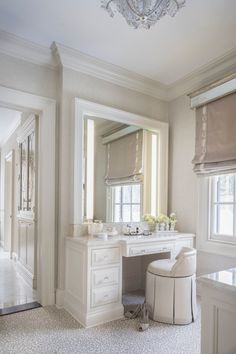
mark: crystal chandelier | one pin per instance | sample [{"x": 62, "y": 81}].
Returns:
[{"x": 142, "y": 13}]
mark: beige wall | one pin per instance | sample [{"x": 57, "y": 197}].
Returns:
[{"x": 21, "y": 75}]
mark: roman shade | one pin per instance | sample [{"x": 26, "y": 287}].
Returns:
[
  {"x": 215, "y": 150},
  {"x": 125, "y": 159}
]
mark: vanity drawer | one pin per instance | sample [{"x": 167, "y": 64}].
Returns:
[
  {"x": 104, "y": 296},
  {"x": 105, "y": 256},
  {"x": 149, "y": 249},
  {"x": 104, "y": 277}
]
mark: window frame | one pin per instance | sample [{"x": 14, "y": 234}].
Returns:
[
  {"x": 111, "y": 204},
  {"x": 212, "y": 235}
]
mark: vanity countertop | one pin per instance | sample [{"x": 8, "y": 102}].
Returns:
[
  {"x": 224, "y": 279},
  {"x": 121, "y": 239}
]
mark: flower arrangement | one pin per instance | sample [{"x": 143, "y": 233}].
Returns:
[
  {"x": 150, "y": 219},
  {"x": 162, "y": 219},
  {"x": 173, "y": 217},
  {"x": 173, "y": 221},
  {"x": 162, "y": 222}
]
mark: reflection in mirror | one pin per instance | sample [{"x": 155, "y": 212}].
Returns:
[{"x": 120, "y": 171}]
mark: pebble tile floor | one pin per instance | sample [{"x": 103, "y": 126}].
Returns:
[{"x": 52, "y": 331}]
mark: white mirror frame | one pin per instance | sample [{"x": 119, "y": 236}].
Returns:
[{"x": 86, "y": 108}]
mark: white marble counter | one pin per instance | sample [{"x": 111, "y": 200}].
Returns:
[
  {"x": 218, "y": 319},
  {"x": 225, "y": 279},
  {"x": 121, "y": 239}
]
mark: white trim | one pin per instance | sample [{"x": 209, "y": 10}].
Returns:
[
  {"x": 203, "y": 242},
  {"x": 213, "y": 70},
  {"x": 214, "y": 93},
  {"x": 20, "y": 48},
  {"x": 60, "y": 294},
  {"x": 78, "y": 61},
  {"x": 84, "y": 108},
  {"x": 46, "y": 211},
  {"x": 26, "y": 274}
]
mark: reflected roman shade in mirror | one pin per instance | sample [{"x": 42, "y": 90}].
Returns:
[
  {"x": 124, "y": 159},
  {"x": 215, "y": 149}
]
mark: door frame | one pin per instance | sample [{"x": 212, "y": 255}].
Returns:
[
  {"x": 9, "y": 158},
  {"x": 46, "y": 109}
]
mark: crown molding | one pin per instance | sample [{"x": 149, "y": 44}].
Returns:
[
  {"x": 20, "y": 48},
  {"x": 61, "y": 55},
  {"x": 78, "y": 61},
  {"x": 212, "y": 71}
]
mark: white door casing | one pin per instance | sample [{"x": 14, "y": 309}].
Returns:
[{"x": 46, "y": 109}]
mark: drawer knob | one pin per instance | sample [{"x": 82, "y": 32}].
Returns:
[
  {"x": 106, "y": 278},
  {"x": 105, "y": 296}
]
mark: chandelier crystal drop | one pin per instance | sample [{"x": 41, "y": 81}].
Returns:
[{"x": 142, "y": 13}]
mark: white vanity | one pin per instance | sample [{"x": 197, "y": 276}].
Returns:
[
  {"x": 218, "y": 302},
  {"x": 94, "y": 281}
]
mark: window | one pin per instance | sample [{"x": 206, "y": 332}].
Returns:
[
  {"x": 223, "y": 207},
  {"x": 126, "y": 203}
]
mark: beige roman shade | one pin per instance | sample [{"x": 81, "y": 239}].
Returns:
[
  {"x": 125, "y": 159},
  {"x": 215, "y": 150}
]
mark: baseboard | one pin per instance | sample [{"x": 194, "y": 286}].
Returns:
[
  {"x": 94, "y": 318},
  {"x": 60, "y": 298},
  {"x": 28, "y": 277}
]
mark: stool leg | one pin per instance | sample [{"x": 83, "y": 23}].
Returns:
[{"x": 194, "y": 297}]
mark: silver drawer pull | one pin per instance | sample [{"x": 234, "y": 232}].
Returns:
[
  {"x": 106, "y": 278},
  {"x": 105, "y": 296}
]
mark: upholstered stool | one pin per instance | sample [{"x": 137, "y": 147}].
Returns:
[{"x": 171, "y": 289}]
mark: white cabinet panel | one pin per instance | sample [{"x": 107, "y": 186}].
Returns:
[
  {"x": 105, "y": 256},
  {"x": 103, "y": 277},
  {"x": 104, "y": 296},
  {"x": 149, "y": 249}
]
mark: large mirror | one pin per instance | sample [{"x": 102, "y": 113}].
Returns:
[{"x": 120, "y": 170}]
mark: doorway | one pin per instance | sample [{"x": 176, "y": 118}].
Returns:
[
  {"x": 46, "y": 222},
  {"x": 18, "y": 279}
]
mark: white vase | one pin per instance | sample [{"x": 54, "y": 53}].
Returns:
[
  {"x": 172, "y": 226},
  {"x": 167, "y": 227},
  {"x": 162, "y": 226},
  {"x": 151, "y": 227}
]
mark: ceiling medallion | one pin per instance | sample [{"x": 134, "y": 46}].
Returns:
[{"x": 142, "y": 13}]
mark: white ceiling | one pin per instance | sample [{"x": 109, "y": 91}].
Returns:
[
  {"x": 9, "y": 120},
  {"x": 201, "y": 32}
]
